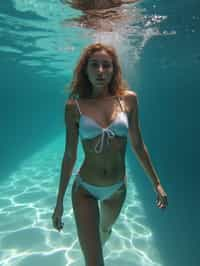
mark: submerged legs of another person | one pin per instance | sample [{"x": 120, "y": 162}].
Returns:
[{"x": 110, "y": 210}]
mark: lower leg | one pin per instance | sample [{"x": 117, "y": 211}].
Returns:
[
  {"x": 94, "y": 261},
  {"x": 105, "y": 235}
]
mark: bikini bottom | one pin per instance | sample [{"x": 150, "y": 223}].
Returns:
[{"x": 99, "y": 192}]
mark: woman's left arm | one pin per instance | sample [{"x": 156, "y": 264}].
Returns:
[{"x": 141, "y": 150}]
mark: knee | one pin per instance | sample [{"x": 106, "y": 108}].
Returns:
[{"x": 105, "y": 229}]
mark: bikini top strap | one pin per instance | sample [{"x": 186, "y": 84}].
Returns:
[
  {"x": 78, "y": 106},
  {"x": 119, "y": 99}
]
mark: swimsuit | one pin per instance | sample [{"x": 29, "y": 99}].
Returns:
[
  {"x": 89, "y": 129},
  {"x": 99, "y": 193}
]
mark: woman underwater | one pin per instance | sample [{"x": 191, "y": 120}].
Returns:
[{"x": 102, "y": 111}]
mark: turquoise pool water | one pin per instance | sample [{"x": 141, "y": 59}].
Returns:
[
  {"x": 29, "y": 238},
  {"x": 158, "y": 45}
]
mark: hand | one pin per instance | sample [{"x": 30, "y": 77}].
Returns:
[
  {"x": 161, "y": 200},
  {"x": 57, "y": 218}
]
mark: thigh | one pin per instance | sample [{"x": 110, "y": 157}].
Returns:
[
  {"x": 86, "y": 214},
  {"x": 111, "y": 207}
]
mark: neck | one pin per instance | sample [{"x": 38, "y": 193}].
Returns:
[{"x": 100, "y": 93}]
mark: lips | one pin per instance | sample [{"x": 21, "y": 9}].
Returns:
[{"x": 99, "y": 79}]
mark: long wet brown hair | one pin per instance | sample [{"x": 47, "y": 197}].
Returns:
[{"x": 81, "y": 87}]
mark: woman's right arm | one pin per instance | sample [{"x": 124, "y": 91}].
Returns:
[{"x": 70, "y": 152}]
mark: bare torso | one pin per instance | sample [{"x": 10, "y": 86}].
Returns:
[
  {"x": 108, "y": 166},
  {"x": 93, "y": 4},
  {"x": 101, "y": 15}
]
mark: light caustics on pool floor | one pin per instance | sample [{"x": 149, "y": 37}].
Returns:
[{"x": 26, "y": 234}]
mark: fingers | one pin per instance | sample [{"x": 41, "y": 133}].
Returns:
[
  {"x": 162, "y": 202},
  {"x": 57, "y": 222}
]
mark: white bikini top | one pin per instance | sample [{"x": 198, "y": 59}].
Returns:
[{"x": 89, "y": 128}]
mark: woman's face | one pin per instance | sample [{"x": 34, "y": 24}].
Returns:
[{"x": 100, "y": 70}]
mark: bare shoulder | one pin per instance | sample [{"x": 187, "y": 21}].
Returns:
[
  {"x": 130, "y": 98},
  {"x": 71, "y": 111}
]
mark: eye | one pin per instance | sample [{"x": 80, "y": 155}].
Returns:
[
  {"x": 106, "y": 65},
  {"x": 94, "y": 64}
]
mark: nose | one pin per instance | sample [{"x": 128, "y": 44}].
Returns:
[{"x": 100, "y": 68}]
